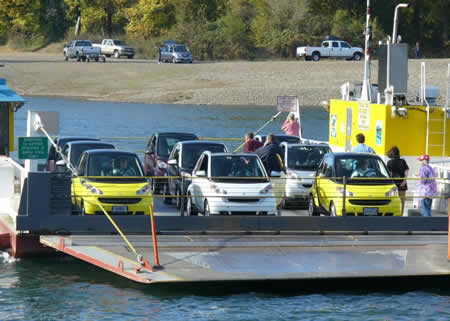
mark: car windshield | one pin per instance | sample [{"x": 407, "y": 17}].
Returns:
[
  {"x": 119, "y": 43},
  {"x": 166, "y": 142},
  {"x": 114, "y": 164},
  {"x": 362, "y": 170},
  {"x": 180, "y": 49},
  {"x": 191, "y": 153},
  {"x": 232, "y": 169},
  {"x": 77, "y": 150},
  {"x": 306, "y": 158}
]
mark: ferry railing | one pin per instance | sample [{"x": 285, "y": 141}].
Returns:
[{"x": 12, "y": 177}]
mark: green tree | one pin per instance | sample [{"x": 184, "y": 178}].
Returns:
[{"x": 151, "y": 18}]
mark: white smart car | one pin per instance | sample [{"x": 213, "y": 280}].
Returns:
[
  {"x": 226, "y": 183},
  {"x": 301, "y": 162}
]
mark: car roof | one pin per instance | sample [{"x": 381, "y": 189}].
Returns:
[
  {"x": 66, "y": 139},
  {"x": 109, "y": 151},
  {"x": 91, "y": 142},
  {"x": 307, "y": 145},
  {"x": 232, "y": 154},
  {"x": 199, "y": 142},
  {"x": 175, "y": 134},
  {"x": 352, "y": 154}
]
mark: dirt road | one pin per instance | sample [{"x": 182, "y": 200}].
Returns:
[{"x": 219, "y": 83}]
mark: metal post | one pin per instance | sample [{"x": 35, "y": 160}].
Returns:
[
  {"x": 345, "y": 192},
  {"x": 182, "y": 196},
  {"x": 394, "y": 30},
  {"x": 365, "y": 90},
  {"x": 155, "y": 242}
]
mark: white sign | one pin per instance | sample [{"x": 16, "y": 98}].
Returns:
[
  {"x": 364, "y": 115},
  {"x": 287, "y": 104}
]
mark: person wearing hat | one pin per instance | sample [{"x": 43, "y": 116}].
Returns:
[{"x": 427, "y": 185}]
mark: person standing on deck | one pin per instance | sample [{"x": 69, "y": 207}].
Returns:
[
  {"x": 361, "y": 147},
  {"x": 399, "y": 171},
  {"x": 291, "y": 126},
  {"x": 271, "y": 155},
  {"x": 417, "y": 50},
  {"x": 427, "y": 185},
  {"x": 251, "y": 144}
]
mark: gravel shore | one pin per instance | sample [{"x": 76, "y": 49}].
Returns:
[{"x": 217, "y": 83}]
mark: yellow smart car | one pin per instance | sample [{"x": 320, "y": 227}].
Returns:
[
  {"x": 115, "y": 179},
  {"x": 353, "y": 184}
]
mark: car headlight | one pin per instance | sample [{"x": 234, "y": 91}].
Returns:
[
  {"x": 266, "y": 189},
  {"x": 292, "y": 175},
  {"x": 393, "y": 192},
  {"x": 92, "y": 189},
  {"x": 143, "y": 190},
  {"x": 217, "y": 190},
  {"x": 340, "y": 192},
  {"x": 161, "y": 164}
]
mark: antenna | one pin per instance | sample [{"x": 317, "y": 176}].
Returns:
[{"x": 365, "y": 90}]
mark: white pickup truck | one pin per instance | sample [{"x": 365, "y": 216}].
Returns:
[
  {"x": 82, "y": 50},
  {"x": 330, "y": 49},
  {"x": 116, "y": 48}
]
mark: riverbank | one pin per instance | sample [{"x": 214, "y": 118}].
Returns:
[{"x": 218, "y": 83}]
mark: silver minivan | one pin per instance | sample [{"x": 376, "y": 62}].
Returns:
[{"x": 175, "y": 52}]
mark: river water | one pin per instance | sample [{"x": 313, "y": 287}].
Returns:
[{"x": 67, "y": 289}]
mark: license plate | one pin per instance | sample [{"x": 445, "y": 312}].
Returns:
[
  {"x": 120, "y": 209},
  {"x": 370, "y": 211}
]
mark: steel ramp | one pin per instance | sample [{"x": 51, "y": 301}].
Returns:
[{"x": 208, "y": 258}]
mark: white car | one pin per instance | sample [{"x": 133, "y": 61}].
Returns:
[
  {"x": 226, "y": 183},
  {"x": 301, "y": 162}
]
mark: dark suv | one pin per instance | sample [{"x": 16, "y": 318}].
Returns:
[{"x": 157, "y": 152}]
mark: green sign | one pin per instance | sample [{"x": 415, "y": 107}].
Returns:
[{"x": 33, "y": 147}]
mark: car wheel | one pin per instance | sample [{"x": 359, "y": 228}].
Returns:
[
  {"x": 178, "y": 197},
  {"x": 173, "y": 60},
  {"x": 103, "y": 58},
  {"x": 333, "y": 210},
  {"x": 116, "y": 54},
  {"x": 166, "y": 195},
  {"x": 312, "y": 209},
  {"x": 130, "y": 57},
  {"x": 315, "y": 56},
  {"x": 189, "y": 207},
  {"x": 78, "y": 57},
  {"x": 357, "y": 56},
  {"x": 66, "y": 58},
  {"x": 307, "y": 58},
  {"x": 207, "y": 210}
]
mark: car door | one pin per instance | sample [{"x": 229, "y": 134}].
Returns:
[
  {"x": 77, "y": 188},
  {"x": 201, "y": 183},
  {"x": 335, "y": 49},
  {"x": 322, "y": 183},
  {"x": 149, "y": 156},
  {"x": 345, "y": 49},
  {"x": 173, "y": 171}
]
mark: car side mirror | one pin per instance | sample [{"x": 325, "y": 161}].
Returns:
[
  {"x": 172, "y": 162},
  {"x": 200, "y": 173},
  {"x": 61, "y": 163},
  {"x": 275, "y": 174}
]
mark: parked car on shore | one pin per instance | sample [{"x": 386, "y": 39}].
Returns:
[
  {"x": 82, "y": 50},
  {"x": 157, "y": 153},
  {"x": 354, "y": 184},
  {"x": 113, "y": 179},
  {"x": 230, "y": 184},
  {"x": 175, "y": 52},
  {"x": 301, "y": 162},
  {"x": 330, "y": 49},
  {"x": 181, "y": 163},
  {"x": 116, "y": 48}
]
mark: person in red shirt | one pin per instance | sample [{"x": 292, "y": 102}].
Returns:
[
  {"x": 251, "y": 144},
  {"x": 291, "y": 126}
]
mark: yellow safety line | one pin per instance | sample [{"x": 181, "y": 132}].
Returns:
[{"x": 117, "y": 228}]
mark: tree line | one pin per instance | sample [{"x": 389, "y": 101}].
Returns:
[{"x": 223, "y": 29}]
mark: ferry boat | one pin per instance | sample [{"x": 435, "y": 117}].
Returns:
[{"x": 36, "y": 215}]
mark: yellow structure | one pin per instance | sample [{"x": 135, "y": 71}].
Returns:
[{"x": 385, "y": 126}]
